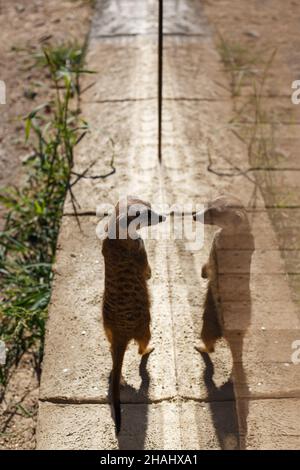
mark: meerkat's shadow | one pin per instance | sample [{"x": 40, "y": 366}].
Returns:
[
  {"x": 222, "y": 406},
  {"x": 236, "y": 289},
  {"x": 135, "y": 414},
  {"x": 228, "y": 307}
]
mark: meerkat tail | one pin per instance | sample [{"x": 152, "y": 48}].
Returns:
[{"x": 118, "y": 351}]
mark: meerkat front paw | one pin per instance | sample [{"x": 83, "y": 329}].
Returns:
[
  {"x": 203, "y": 348},
  {"x": 204, "y": 274},
  {"x": 147, "y": 351},
  {"x": 148, "y": 273},
  {"x": 122, "y": 381}
]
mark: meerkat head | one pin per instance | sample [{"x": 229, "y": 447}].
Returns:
[
  {"x": 226, "y": 212},
  {"x": 132, "y": 214}
]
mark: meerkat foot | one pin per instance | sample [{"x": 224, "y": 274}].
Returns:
[
  {"x": 204, "y": 272},
  {"x": 148, "y": 273},
  {"x": 146, "y": 351},
  {"x": 122, "y": 381},
  {"x": 203, "y": 348}
]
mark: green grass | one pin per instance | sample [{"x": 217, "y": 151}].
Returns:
[
  {"x": 67, "y": 60},
  {"x": 28, "y": 240},
  {"x": 239, "y": 61}
]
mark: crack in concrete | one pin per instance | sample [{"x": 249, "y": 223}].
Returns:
[{"x": 175, "y": 398}]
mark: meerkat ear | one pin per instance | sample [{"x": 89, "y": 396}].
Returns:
[{"x": 238, "y": 218}]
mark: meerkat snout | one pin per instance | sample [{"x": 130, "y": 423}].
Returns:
[
  {"x": 143, "y": 216},
  {"x": 226, "y": 212}
]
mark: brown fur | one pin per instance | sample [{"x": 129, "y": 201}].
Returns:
[{"x": 126, "y": 302}]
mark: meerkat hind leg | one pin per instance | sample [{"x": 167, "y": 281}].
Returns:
[
  {"x": 144, "y": 349},
  {"x": 205, "y": 348},
  {"x": 211, "y": 330},
  {"x": 143, "y": 343},
  {"x": 204, "y": 273}
]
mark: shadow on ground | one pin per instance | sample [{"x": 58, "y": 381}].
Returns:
[
  {"x": 222, "y": 405},
  {"x": 135, "y": 414}
]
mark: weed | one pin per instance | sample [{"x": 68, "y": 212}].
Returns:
[
  {"x": 65, "y": 62},
  {"x": 28, "y": 240},
  {"x": 239, "y": 61}
]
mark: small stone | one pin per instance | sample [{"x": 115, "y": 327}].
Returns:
[
  {"x": 252, "y": 34},
  {"x": 263, "y": 328},
  {"x": 65, "y": 371},
  {"x": 30, "y": 94},
  {"x": 83, "y": 332},
  {"x": 20, "y": 8}
]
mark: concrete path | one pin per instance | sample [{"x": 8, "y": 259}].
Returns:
[{"x": 179, "y": 399}]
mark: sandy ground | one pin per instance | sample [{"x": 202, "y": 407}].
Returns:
[{"x": 24, "y": 26}]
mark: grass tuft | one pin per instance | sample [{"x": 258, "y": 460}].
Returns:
[
  {"x": 28, "y": 240},
  {"x": 239, "y": 61}
]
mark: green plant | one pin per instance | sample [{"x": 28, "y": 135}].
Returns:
[
  {"x": 28, "y": 240},
  {"x": 64, "y": 60},
  {"x": 238, "y": 60}
]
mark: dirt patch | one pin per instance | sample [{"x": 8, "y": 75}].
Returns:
[
  {"x": 24, "y": 27},
  {"x": 19, "y": 407},
  {"x": 266, "y": 24}
]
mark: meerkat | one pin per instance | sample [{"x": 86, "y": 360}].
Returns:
[
  {"x": 126, "y": 302},
  {"x": 232, "y": 244}
]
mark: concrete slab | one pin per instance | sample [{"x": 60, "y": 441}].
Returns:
[
  {"x": 126, "y": 132},
  {"x": 88, "y": 427},
  {"x": 273, "y": 424},
  {"x": 126, "y": 69},
  {"x": 212, "y": 425},
  {"x": 165, "y": 426},
  {"x": 115, "y": 18}
]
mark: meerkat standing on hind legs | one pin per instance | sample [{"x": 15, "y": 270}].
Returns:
[
  {"x": 232, "y": 244},
  {"x": 126, "y": 302}
]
